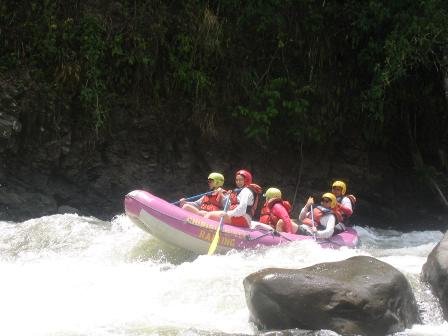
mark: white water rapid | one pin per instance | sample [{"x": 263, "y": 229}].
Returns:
[{"x": 67, "y": 275}]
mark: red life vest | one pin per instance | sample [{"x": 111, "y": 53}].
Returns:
[
  {"x": 267, "y": 217},
  {"x": 352, "y": 200},
  {"x": 318, "y": 212},
  {"x": 256, "y": 190},
  {"x": 211, "y": 202}
]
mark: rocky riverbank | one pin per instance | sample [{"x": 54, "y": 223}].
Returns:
[
  {"x": 94, "y": 183},
  {"x": 58, "y": 167}
]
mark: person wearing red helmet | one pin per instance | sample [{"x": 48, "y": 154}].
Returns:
[{"x": 243, "y": 201}]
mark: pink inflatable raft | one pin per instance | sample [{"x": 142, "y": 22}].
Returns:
[{"x": 176, "y": 226}]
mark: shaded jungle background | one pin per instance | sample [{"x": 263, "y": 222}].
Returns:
[{"x": 98, "y": 98}]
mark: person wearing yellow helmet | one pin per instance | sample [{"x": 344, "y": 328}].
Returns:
[
  {"x": 340, "y": 186},
  {"x": 217, "y": 179},
  {"x": 345, "y": 202},
  {"x": 275, "y": 211},
  {"x": 212, "y": 201},
  {"x": 319, "y": 221}
]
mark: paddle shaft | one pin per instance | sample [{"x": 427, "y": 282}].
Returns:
[
  {"x": 191, "y": 198},
  {"x": 274, "y": 233},
  {"x": 312, "y": 221},
  {"x": 215, "y": 240},
  {"x": 194, "y": 197}
]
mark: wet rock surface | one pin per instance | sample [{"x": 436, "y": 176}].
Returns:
[
  {"x": 357, "y": 296},
  {"x": 435, "y": 272}
]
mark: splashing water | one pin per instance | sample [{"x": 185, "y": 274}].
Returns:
[{"x": 72, "y": 275}]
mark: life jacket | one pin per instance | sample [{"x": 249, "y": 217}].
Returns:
[
  {"x": 211, "y": 202},
  {"x": 318, "y": 212},
  {"x": 256, "y": 191},
  {"x": 352, "y": 198},
  {"x": 267, "y": 217}
]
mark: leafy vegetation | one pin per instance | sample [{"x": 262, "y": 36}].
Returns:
[{"x": 317, "y": 71}]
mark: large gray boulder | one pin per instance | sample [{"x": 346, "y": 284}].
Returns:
[
  {"x": 360, "y": 295},
  {"x": 435, "y": 272}
]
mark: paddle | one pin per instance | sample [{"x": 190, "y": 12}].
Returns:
[
  {"x": 272, "y": 232},
  {"x": 312, "y": 221},
  {"x": 215, "y": 240},
  {"x": 194, "y": 197}
]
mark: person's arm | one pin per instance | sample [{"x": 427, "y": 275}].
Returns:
[
  {"x": 280, "y": 211},
  {"x": 303, "y": 213},
  {"x": 244, "y": 198},
  {"x": 305, "y": 209},
  {"x": 329, "y": 227},
  {"x": 196, "y": 203}
]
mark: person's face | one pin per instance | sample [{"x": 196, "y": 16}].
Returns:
[
  {"x": 239, "y": 181},
  {"x": 337, "y": 191},
  {"x": 211, "y": 184},
  {"x": 326, "y": 202}
]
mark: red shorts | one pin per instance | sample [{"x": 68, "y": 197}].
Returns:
[{"x": 239, "y": 221}]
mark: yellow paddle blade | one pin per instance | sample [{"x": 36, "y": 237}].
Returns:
[
  {"x": 214, "y": 243},
  {"x": 215, "y": 240}
]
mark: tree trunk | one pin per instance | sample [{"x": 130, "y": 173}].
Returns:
[{"x": 419, "y": 164}]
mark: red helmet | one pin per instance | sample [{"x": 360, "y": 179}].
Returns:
[{"x": 247, "y": 176}]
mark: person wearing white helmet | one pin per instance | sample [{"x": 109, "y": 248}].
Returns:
[
  {"x": 275, "y": 211},
  {"x": 321, "y": 222},
  {"x": 212, "y": 201}
]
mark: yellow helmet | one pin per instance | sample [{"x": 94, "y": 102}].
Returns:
[
  {"x": 272, "y": 193},
  {"x": 332, "y": 198},
  {"x": 217, "y": 178},
  {"x": 341, "y": 185}
]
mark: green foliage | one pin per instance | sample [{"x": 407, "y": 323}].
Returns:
[
  {"x": 413, "y": 39},
  {"x": 318, "y": 71},
  {"x": 281, "y": 108}
]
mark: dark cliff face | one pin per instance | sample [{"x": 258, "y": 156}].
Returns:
[
  {"x": 48, "y": 166},
  {"x": 94, "y": 181},
  {"x": 97, "y": 99}
]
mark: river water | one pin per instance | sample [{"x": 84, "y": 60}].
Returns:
[{"x": 66, "y": 275}]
